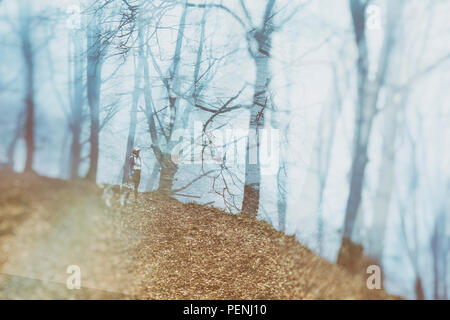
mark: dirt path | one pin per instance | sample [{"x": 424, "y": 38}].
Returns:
[
  {"x": 158, "y": 249},
  {"x": 61, "y": 230}
]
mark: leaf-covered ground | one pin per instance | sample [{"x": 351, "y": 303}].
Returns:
[{"x": 157, "y": 249}]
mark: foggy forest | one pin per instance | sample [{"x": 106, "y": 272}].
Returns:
[{"x": 287, "y": 144}]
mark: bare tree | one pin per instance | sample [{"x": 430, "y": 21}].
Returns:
[
  {"x": 326, "y": 132},
  {"x": 440, "y": 248},
  {"x": 96, "y": 51},
  {"x": 162, "y": 148},
  {"x": 260, "y": 43},
  {"x": 76, "y": 84},
  {"x": 397, "y": 92},
  {"x": 368, "y": 93},
  {"x": 409, "y": 206},
  {"x": 18, "y": 134},
  {"x": 28, "y": 57},
  {"x": 133, "y": 118},
  {"x": 164, "y": 122},
  {"x": 110, "y": 23}
]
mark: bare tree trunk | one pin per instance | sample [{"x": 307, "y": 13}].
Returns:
[
  {"x": 133, "y": 120},
  {"x": 281, "y": 122},
  {"x": 326, "y": 135},
  {"x": 435, "y": 254},
  {"x": 386, "y": 176},
  {"x": 168, "y": 167},
  {"x": 173, "y": 85},
  {"x": 76, "y": 107},
  {"x": 94, "y": 67},
  {"x": 150, "y": 115},
  {"x": 18, "y": 133},
  {"x": 250, "y": 203},
  {"x": 167, "y": 175},
  {"x": 27, "y": 52},
  {"x": 439, "y": 250},
  {"x": 149, "y": 110},
  {"x": 365, "y": 112},
  {"x": 75, "y": 152},
  {"x": 161, "y": 150},
  {"x": 409, "y": 205},
  {"x": 418, "y": 288},
  {"x": 368, "y": 93},
  {"x": 282, "y": 195},
  {"x": 63, "y": 164},
  {"x": 263, "y": 38},
  {"x": 444, "y": 271}
]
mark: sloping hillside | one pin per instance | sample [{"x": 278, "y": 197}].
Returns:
[{"x": 157, "y": 249}]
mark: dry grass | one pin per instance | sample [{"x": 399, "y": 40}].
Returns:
[
  {"x": 193, "y": 252},
  {"x": 158, "y": 249}
]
